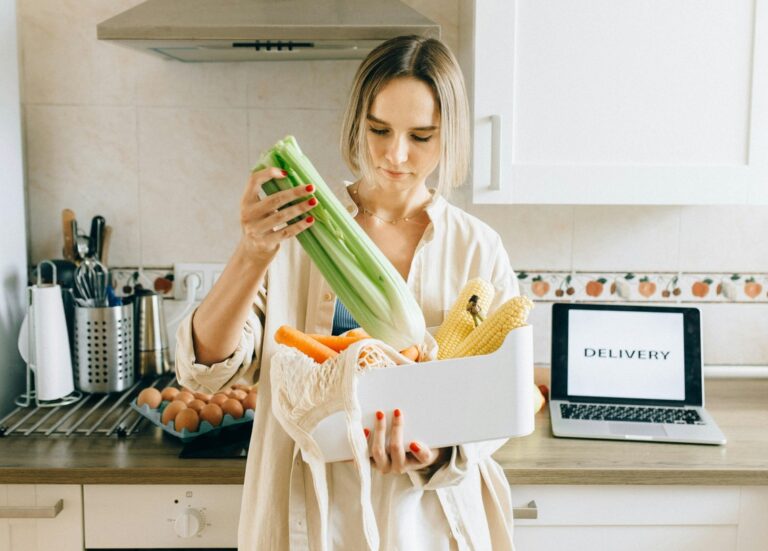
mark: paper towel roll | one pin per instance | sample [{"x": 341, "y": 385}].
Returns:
[{"x": 46, "y": 346}]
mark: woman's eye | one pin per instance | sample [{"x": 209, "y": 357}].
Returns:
[
  {"x": 378, "y": 131},
  {"x": 419, "y": 139},
  {"x": 385, "y": 131}
]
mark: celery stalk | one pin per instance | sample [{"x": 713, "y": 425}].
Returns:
[{"x": 363, "y": 278}]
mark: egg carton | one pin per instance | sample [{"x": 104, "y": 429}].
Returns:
[{"x": 155, "y": 415}]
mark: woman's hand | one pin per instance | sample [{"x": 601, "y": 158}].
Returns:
[
  {"x": 259, "y": 217},
  {"x": 396, "y": 458}
]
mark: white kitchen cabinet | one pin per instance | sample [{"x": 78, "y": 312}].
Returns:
[
  {"x": 618, "y": 102},
  {"x": 41, "y": 517},
  {"x": 642, "y": 518}
]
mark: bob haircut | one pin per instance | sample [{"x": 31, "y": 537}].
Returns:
[{"x": 430, "y": 61}]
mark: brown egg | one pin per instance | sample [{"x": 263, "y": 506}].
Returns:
[
  {"x": 227, "y": 391},
  {"x": 171, "y": 410},
  {"x": 239, "y": 395},
  {"x": 185, "y": 396},
  {"x": 185, "y": 389},
  {"x": 169, "y": 393},
  {"x": 212, "y": 413},
  {"x": 187, "y": 419},
  {"x": 219, "y": 398},
  {"x": 240, "y": 386},
  {"x": 150, "y": 396},
  {"x": 250, "y": 401},
  {"x": 205, "y": 397},
  {"x": 233, "y": 407},
  {"x": 196, "y": 404}
]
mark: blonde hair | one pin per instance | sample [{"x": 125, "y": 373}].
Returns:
[{"x": 430, "y": 61}]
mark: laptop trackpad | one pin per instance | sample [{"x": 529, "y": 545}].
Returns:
[{"x": 637, "y": 429}]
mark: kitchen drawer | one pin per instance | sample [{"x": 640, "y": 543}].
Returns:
[
  {"x": 161, "y": 516},
  {"x": 629, "y": 505},
  {"x": 41, "y": 517}
]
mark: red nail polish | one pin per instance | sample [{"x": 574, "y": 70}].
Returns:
[
  {"x": 367, "y": 432},
  {"x": 310, "y": 219},
  {"x": 284, "y": 173},
  {"x": 397, "y": 413},
  {"x": 414, "y": 447},
  {"x": 379, "y": 415},
  {"x": 310, "y": 188},
  {"x": 312, "y": 202}
]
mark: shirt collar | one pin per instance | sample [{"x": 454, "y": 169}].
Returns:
[{"x": 435, "y": 206}]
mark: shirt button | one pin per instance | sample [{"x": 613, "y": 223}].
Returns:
[{"x": 328, "y": 297}]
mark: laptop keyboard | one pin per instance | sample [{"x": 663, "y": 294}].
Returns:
[{"x": 638, "y": 414}]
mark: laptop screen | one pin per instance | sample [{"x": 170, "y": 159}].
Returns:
[
  {"x": 620, "y": 354},
  {"x": 628, "y": 354}
]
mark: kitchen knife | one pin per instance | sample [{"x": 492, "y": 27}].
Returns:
[
  {"x": 105, "y": 245},
  {"x": 67, "y": 217},
  {"x": 95, "y": 237}
]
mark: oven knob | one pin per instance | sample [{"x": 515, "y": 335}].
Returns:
[{"x": 189, "y": 523}]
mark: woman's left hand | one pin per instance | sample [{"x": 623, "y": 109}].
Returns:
[{"x": 396, "y": 458}]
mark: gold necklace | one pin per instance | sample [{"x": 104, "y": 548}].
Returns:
[{"x": 374, "y": 215}]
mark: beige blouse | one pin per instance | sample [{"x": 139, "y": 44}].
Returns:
[{"x": 465, "y": 504}]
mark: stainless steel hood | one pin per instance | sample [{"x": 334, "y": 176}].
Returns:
[{"x": 256, "y": 30}]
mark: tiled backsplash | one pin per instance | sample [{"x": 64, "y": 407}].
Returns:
[{"x": 162, "y": 149}]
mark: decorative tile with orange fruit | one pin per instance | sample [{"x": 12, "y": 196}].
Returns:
[{"x": 638, "y": 287}]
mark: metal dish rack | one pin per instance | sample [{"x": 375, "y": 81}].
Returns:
[{"x": 105, "y": 414}]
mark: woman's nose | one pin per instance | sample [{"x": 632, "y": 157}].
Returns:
[{"x": 397, "y": 151}]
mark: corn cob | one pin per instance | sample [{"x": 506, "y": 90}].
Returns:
[
  {"x": 466, "y": 313},
  {"x": 491, "y": 333}
]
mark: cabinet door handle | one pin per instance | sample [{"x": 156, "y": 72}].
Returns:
[
  {"x": 50, "y": 511},
  {"x": 496, "y": 152},
  {"x": 530, "y": 511}
]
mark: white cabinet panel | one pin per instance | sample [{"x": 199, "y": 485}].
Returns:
[
  {"x": 642, "y": 518},
  {"x": 626, "y": 538},
  {"x": 619, "y": 102},
  {"x": 64, "y": 532}
]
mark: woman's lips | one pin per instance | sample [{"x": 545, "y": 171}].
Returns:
[{"x": 395, "y": 175}]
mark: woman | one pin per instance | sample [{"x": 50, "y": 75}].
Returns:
[{"x": 407, "y": 115}]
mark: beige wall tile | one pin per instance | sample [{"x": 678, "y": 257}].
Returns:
[
  {"x": 300, "y": 84},
  {"x": 83, "y": 158},
  {"x": 727, "y": 238},
  {"x": 536, "y": 237},
  {"x": 626, "y": 238},
  {"x": 193, "y": 167},
  {"x": 735, "y": 334},
  {"x": 163, "y": 82},
  {"x": 317, "y": 132},
  {"x": 64, "y": 63}
]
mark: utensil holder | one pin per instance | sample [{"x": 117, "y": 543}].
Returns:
[{"x": 104, "y": 360}]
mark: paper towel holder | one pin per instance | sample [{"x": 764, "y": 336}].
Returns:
[{"x": 25, "y": 343}]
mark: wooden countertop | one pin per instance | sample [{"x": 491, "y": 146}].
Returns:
[{"x": 740, "y": 407}]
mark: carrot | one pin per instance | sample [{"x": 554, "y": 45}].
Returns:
[
  {"x": 304, "y": 343},
  {"x": 359, "y": 332},
  {"x": 412, "y": 353},
  {"x": 334, "y": 342}
]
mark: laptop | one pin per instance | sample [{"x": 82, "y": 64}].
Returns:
[{"x": 624, "y": 372}]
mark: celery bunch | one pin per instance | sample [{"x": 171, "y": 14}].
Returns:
[{"x": 363, "y": 278}]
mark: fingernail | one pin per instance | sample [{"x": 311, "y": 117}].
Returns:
[
  {"x": 284, "y": 173},
  {"x": 397, "y": 413},
  {"x": 310, "y": 219},
  {"x": 414, "y": 447},
  {"x": 312, "y": 202},
  {"x": 310, "y": 188},
  {"x": 367, "y": 432},
  {"x": 379, "y": 415}
]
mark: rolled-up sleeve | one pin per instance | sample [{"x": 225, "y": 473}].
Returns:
[{"x": 243, "y": 364}]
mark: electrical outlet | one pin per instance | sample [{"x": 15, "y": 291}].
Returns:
[{"x": 207, "y": 272}]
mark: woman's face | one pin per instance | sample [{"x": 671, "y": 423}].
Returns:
[{"x": 403, "y": 129}]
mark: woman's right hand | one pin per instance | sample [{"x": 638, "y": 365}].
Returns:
[{"x": 260, "y": 216}]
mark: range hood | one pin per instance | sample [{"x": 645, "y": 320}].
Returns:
[{"x": 258, "y": 30}]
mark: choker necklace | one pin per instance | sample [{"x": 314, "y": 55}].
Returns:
[{"x": 388, "y": 221}]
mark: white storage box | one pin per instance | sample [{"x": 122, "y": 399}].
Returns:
[{"x": 446, "y": 402}]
